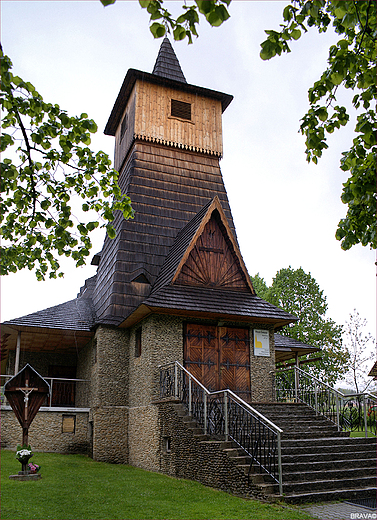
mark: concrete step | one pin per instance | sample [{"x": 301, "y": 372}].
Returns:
[
  {"x": 326, "y": 464},
  {"x": 329, "y": 474},
  {"x": 328, "y": 495},
  {"x": 357, "y": 443},
  {"x": 327, "y": 484}
]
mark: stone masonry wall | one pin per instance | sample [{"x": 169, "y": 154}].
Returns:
[
  {"x": 110, "y": 385},
  {"x": 110, "y": 440},
  {"x": 262, "y": 370},
  {"x": 190, "y": 458},
  {"x": 161, "y": 343},
  {"x": 46, "y": 432}
]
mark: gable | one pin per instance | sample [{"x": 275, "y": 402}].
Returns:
[{"x": 213, "y": 259}]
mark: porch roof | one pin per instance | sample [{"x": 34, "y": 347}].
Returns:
[
  {"x": 286, "y": 348},
  {"x": 64, "y": 327}
]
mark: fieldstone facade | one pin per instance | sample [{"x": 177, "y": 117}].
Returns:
[
  {"x": 46, "y": 432},
  {"x": 184, "y": 454}
]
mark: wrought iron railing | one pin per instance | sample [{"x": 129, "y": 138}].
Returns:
[
  {"x": 66, "y": 393},
  {"x": 223, "y": 414},
  {"x": 350, "y": 412}
]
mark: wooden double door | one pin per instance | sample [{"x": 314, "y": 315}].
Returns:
[{"x": 219, "y": 357}]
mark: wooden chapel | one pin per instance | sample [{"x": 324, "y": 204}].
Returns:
[{"x": 172, "y": 286}]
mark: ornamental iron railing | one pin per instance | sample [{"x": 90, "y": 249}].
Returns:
[
  {"x": 350, "y": 412},
  {"x": 224, "y": 415},
  {"x": 65, "y": 393}
]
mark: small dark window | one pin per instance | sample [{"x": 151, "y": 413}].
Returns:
[
  {"x": 123, "y": 127},
  {"x": 167, "y": 444},
  {"x": 141, "y": 279},
  {"x": 138, "y": 342},
  {"x": 181, "y": 109}
]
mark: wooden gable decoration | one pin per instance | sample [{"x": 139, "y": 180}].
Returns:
[
  {"x": 26, "y": 392},
  {"x": 213, "y": 258}
]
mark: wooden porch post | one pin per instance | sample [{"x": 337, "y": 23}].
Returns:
[{"x": 18, "y": 348}]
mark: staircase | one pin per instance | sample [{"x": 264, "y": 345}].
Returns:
[
  {"x": 319, "y": 463},
  {"x": 303, "y": 454}
]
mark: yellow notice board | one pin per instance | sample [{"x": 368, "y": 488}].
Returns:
[{"x": 261, "y": 343}]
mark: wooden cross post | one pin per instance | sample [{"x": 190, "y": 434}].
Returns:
[{"x": 26, "y": 390}]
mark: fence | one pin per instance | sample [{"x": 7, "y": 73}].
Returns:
[
  {"x": 66, "y": 393},
  {"x": 223, "y": 414},
  {"x": 350, "y": 412}
]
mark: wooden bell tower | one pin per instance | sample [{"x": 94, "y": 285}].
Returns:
[{"x": 168, "y": 142}]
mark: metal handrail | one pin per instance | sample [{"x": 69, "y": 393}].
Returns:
[
  {"x": 341, "y": 420},
  {"x": 51, "y": 380},
  {"x": 227, "y": 415}
]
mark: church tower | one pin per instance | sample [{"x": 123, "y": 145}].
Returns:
[{"x": 168, "y": 142}]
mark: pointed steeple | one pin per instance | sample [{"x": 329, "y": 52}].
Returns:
[{"x": 167, "y": 64}]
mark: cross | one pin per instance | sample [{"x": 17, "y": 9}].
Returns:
[{"x": 26, "y": 390}]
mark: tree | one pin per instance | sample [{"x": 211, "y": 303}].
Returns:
[
  {"x": 46, "y": 164},
  {"x": 259, "y": 285},
  {"x": 358, "y": 345},
  {"x": 299, "y": 294},
  {"x": 184, "y": 25},
  {"x": 351, "y": 64}
]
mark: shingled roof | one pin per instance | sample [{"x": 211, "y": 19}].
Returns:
[
  {"x": 62, "y": 328},
  {"x": 77, "y": 314},
  {"x": 286, "y": 347},
  {"x": 167, "y": 64},
  {"x": 213, "y": 303}
]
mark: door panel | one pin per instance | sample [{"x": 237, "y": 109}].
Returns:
[
  {"x": 235, "y": 360},
  {"x": 219, "y": 357},
  {"x": 201, "y": 354}
]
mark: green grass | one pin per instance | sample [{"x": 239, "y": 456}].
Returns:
[
  {"x": 361, "y": 434},
  {"x": 75, "y": 487}
]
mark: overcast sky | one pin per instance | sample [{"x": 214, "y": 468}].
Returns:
[{"x": 77, "y": 53}]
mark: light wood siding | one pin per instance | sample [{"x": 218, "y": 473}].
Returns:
[
  {"x": 122, "y": 145},
  {"x": 153, "y": 121}
]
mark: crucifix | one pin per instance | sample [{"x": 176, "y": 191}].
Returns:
[{"x": 26, "y": 390}]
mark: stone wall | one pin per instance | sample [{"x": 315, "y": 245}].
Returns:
[
  {"x": 110, "y": 439},
  {"x": 143, "y": 437},
  {"x": 46, "y": 431},
  {"x": 190, "y": 457},
  {"x": 109, "y": 359},
  {"x": 161, "y": 343},
  {"x": 262, "y": 370}
]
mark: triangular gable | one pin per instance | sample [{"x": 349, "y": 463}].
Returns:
[{"x": 212, "y": 259}]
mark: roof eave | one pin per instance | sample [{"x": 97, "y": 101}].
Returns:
[{"x": 144, "y": 310}]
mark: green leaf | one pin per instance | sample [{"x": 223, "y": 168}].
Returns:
[
  {"x": 296, "y": 34},
  {"x": 157, "y": 29},
  {"x": 179, "y": 33},
  {"x": 107, "y": 2},
  {"x": 337, "y": 78},
  {"x": 111, "y": 231}
]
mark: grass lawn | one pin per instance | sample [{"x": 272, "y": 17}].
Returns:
[
  {"x": 361, "y": 434},
  {"x": 75, "y": 487}
]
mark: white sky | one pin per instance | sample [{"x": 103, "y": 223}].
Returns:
[{"x": 77, "y": 53}]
